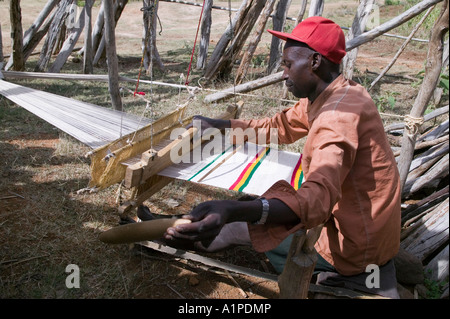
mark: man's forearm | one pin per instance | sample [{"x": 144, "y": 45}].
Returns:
[{"x": 251, "y": 211}]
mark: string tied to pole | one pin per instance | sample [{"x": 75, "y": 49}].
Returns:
[{"x": 413, "y": 124}]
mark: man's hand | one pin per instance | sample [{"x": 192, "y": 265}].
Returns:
[
  {"x": 207, "y": 122},
  {"x": 208, "y": 218}
]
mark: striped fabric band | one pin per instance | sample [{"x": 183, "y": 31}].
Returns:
[
  {"x": 297, "y": 174},
  {"x": 249, "y": 170},
  {"x": 210, "y": 163}
]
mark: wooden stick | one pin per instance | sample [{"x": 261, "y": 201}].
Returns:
[
  {"x": 391, "y": 24},
  {"x": 179, "y": 295},
  {"x": 241, "y": 291},
  {"x": 223, "y": 161},
  {"x": 15, "y": 261},
  {"x": 388, "y": 67},
  {"x": 147, "y": 230},
  {"x": 430, "y": 80}
]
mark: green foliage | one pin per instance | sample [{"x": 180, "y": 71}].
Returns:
[
  {"x": 434, "y": 288},
  {"x": 386, "y": 101},
  {"x": 392, "y": 2},
  {"x": 259, "y": 60},
  {"x": 444, "y": 82}
]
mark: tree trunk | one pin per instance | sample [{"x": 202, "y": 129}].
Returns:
[
  {"x": 87, "y": 55},
  {"x": 431, "y": 78},
  {"x": 113, "y": 67},
  {"x": 316, "y": 8},
  {"x": 151, "y": 54},
  {"x": 358, "y": 25},
  {"x": 276, "y": 45},
  {"x": 248, "y": 55},
  {"x": 205, "y": 34},
  {"x": 16, "y": 32}
]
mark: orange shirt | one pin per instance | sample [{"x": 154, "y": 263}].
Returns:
[{"x": 351, "y": 181}]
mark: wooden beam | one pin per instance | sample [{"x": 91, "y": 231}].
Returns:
[
  {"x": 294, "y": 281},
  {"x": 111, "y": 54},
  {"x": 431, "y": 78},
  {"x": 153, "y": 162},
  {"x": 245, "y": 87},
  {"x": 391, "y": 24}
]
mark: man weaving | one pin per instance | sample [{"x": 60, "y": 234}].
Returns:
[{"x": 351, "y": 182}]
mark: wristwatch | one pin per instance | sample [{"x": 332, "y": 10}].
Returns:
[{"x": 265, "y": 211}]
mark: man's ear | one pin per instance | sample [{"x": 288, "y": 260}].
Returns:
[{"x": 316, "y": 60}]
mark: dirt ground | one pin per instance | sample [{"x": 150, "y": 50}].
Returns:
[{"x": 46, "y": 225}]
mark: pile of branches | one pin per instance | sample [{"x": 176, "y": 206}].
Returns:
[{"x": 425, "y": 218}]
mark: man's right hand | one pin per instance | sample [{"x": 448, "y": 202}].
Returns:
[{"x": 207, "y": 122}]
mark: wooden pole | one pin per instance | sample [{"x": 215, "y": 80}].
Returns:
[
  {"x": 88, "y": 67},
  {"x": 99, "y": 37},
  {"x": 389, "y": 25},
  {"x": 276, "y": 45},
  {"x": 54, "y": 29},
  {"x": 68, "y": 44},
  {"x": 432, "y": 72},
  {"x": 97, "y": 31},
  {"x": 151, "y": 54},
  {"x": 302, "y": 11},
  {"x": 316, "y": 8},
  {"x": 388, "y": 67},
  {"x": 113, "y": 67},
  {"x": 251, "y": 48},
  {"x": 16, "y": 32},
  {"x": 245, "y": 87},
  {"x": 205, "y": 34},
  {"x": 32, "y": 35},
  {"x": 1, "y": 47},
  {"x": 295, "y": 279},
  {"x": 30, "y": 43},
  {"x": 358, "y": 25},
  {"x": 33, "y": 29},
  {"x": 223, "y": 42}
]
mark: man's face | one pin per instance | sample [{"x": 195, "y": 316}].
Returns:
[{"x": 298, "y": 73}]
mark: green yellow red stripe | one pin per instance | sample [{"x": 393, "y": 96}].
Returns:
[
  {"x": 246, "y": 175},
  {"x": 297, "y": 174}
]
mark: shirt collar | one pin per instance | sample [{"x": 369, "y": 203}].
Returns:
[{"x": 314, "y": 108}]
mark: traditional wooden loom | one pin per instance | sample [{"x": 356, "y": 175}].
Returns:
[
  {"x": 117, "y": 139},
  {"x": 123, "y": 154}
]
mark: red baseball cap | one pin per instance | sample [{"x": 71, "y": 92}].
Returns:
[{"x": 321, "y": 35}]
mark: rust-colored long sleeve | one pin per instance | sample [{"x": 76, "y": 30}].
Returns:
[{"x": 351, "y": 181}]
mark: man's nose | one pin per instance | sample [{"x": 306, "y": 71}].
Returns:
[{"x": 285, "y": 74}]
